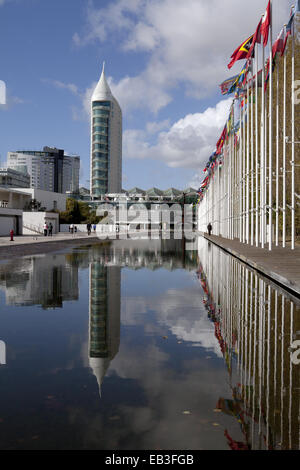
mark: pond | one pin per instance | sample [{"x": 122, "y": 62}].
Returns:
[{"x": 146, "y": 345}]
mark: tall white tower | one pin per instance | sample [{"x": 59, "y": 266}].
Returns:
[{"x": 106, "y": 141}]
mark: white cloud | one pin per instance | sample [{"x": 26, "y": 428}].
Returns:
[
  {"x": 65, "y": 86},
  {"x": 188, "y": 143},
  {"x": 188, "y": 43}
]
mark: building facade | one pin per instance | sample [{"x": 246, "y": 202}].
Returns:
[
  {"x": 13, "y": 178},
  {"x": 49, "y": 169},
  {"x": 106, "y": 141}
]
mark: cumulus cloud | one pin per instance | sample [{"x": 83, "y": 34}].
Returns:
[
  {"x": 188, "y": 43},
  {"x": 188, "y": 143},
  {"x": 66, "y": 86}
]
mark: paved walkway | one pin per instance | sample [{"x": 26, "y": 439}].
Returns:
[
  {"x": 31, "y": 244},
  {"x": 281, "y": 264}
]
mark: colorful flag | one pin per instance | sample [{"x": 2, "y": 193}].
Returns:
[
  {"x": 241, "y": 52},
  {"x": 278, "y": 44},
  {"x": 268, "y": 71},
  {"x": 266, "y": 22},
  {"x": 227, "y": 85},
  {"x": 288, "y": 28},
  {"x": 256, "y": 40}
]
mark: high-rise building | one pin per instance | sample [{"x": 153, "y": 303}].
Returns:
[
  {"x": 49, "y": 169},
  {"x": 106, "y": 141},
  {"x": 13, "y": 178}
]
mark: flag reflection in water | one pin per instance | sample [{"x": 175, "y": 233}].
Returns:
[{"x": 256, "y": 324}]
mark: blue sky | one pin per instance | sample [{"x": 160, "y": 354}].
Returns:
[{"x": 164, "y": 61}]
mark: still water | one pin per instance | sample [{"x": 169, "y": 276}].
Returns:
[{"x": 145, "y": 345}]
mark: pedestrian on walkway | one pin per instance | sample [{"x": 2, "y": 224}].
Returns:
[
  {"x": 209, "y": 228},
  {"x": 45, "y": 229},
  {"x": 50, "y": 229},
  {"x": 94, "y": 227},
  {"x": 89, "y": 228},
  {"x": 72, "y": 229}
]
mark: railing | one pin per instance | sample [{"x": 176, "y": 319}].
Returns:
[{"x": 34, "y": 228}]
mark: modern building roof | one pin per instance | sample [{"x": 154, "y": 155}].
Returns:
[
  {"x": 154, "y": 192},
  {"x": 102, "y": 91},
  {"x": 136, "y": 191},
  {"x": 172, "y": 192}
]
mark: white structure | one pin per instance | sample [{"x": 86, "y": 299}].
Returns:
[
  {"x": 33, "y": 222},
  {"x": 48, "y": 200},
  {"x": 49, "y": 170},
  {"x": 106, "y": 141}
]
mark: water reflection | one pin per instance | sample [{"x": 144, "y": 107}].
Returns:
[
  {"x": 40, "y": 280},
  {"x": 104, "y": 317},
  {"x": 256, "y": 324},
  {"x": 201, "y": 334}
]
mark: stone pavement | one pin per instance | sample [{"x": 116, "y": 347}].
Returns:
[{"x": 282, "y": 265}]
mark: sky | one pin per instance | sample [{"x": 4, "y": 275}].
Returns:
[{"x": 164, "y": 60}]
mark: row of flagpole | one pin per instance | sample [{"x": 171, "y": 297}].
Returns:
[{"x": 237, "y": 194}]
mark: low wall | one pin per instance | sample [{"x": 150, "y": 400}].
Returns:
[{"x": 33, "y": 222}]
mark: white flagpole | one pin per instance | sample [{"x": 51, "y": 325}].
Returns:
[
  {"x": 270, "y": 133},
  {"x": 277, "y": 155},
  {"x": 252, "y": 158},
  {"x": 256, "y": 148},
  {"x": 262, "y": 172},
  {"x": 284, "y": 155},
  {"x": 293, "y": 139},
  {"x": 248, "y": 166},
  {"x": 241, "y": 175}
]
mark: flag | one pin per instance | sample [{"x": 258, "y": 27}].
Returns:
[
  {"x": 256, "y": 40},
  {"x": 265, "y": 26},
  {"x": 241, "y": 52},
  {"x": 278, "y": 44},
  {"x": 221, "y": 140},
  {"x": 239, "y": 80},
  {"x": 288, "y": 28},
  {"x": 227, "y": 85},
  {"x": 268, "y": 71}
]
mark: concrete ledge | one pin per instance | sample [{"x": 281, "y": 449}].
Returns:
[
  {"x": 281, "y": 266},
  {"x": 19, "y": 247}
]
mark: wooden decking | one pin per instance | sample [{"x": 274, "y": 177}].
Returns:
[{"x": 282, "y": 265}]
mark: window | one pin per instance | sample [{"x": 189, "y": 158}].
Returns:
[{"x": 101, "y": 103}]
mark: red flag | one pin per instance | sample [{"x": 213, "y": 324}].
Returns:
[
  {"x": 265, "y": 26},
  {"x": 241, "y": 52},
  {"x": 256, "y": 39},
  {"x": 278, "y": 44}
]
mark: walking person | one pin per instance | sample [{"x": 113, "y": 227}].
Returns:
[
  {"x": 72, "y": 229},
  {"x": 209, "y": 228},
  {"x": 50, "y": 229},
  {"x": 45, "y": 229},
  {"x": 94, "y": 228},
  {"x": 89, "y": 228}
]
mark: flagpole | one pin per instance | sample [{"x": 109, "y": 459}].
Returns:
[
  {"x": 277, "y": 155},
  {"x": 270, "y": 132},
  {"x": 293, "y": 139},
  {"x": 247, "y": 166},
  {"x": 256, "y": 148},
  {"x": 262, "y": 178},
  {"x": 252, "y": 159},
  {"x": 284, "y": 155},
  {"x": 240, "y": 175}
]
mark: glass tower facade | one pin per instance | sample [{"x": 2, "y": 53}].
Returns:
[
  {"x": 100, "y": 146},
  {"x": 106, "y": 141}
]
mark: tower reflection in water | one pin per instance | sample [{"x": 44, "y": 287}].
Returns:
[
  {"x": 105, "y": 290},
  {"x": 256, "y": 325},
  {"x": 104, "y": 321}
]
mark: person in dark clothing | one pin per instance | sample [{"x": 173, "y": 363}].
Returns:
[
  {"x": 50, "y": 230},
  {"x": 209, "y": 228},
  {"x": 89, "y": 228}
]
